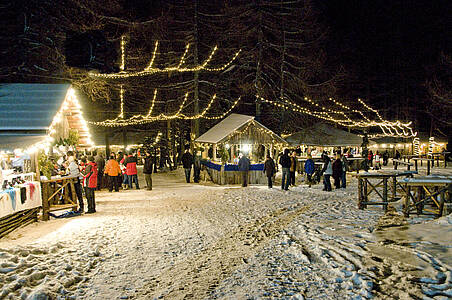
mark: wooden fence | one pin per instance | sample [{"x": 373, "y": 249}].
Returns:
[{"x": 58, "y": 194}]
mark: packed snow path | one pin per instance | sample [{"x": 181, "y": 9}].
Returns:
[{"x": 202, "y": 241}]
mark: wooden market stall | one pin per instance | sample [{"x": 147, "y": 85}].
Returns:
[
  {"x": 323, "y": 137},
  {"x": 233, "y": 135},
  {"x": 33, "y": 118}
]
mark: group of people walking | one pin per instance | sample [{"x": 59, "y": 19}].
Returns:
[{"x": 336, "y": 168}]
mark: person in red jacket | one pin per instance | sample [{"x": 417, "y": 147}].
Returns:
[
  {"x": 90, "y": 184},
  {"x": 131, "y": 170}
]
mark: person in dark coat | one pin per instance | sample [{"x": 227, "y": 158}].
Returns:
[
  {"x": 187, "y": 161},
  {"x": 337, "y": 171},
  {"x": 309, "y": 168},
  {"x": 244, "y": 167},
  {"x": 147, "y": 169},
  {"x": 197, "y": 167},
  {"x": 284, "y": 161},
  {"x": 269, "y": 170},
  {"x": 327, "y": 171}
]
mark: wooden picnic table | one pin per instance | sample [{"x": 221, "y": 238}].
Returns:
[
  {"x": 398, "y": 162},
  {"x": 426, "y": 195},
  {"x": 369, "y": 183},
  {"x": 430, "y": 161}
]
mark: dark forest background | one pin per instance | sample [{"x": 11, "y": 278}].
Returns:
[{"x": 396, "y": 55}]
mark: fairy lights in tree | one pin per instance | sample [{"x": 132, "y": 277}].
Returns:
[
  {"x": 388, "y": 128},
  {"x": 149, "y": 70},
  {"x": 148, "y": 118}
]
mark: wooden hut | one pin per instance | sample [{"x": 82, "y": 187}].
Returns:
[
  {"x": 32, "y": 117},
  {"x": 238, "y": 134},
  {"x": 323, "y": 136}
]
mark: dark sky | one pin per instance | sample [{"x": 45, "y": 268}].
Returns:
[{"x": 387, "y": 36}]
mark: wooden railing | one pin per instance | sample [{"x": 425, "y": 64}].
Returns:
[{"x": 58, "y": 194}]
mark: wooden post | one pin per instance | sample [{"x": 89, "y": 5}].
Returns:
[
  {"x": 406, "y": 209},
  {"x": 385, "y": 193},
  {"x": 107, "y": 145},
  {"x": 415, "y": 164},
  {"x": 124, "y": 139},
  {"x": 441, "y": 203},
  {"x": 360, "y": 193},
  {"x": 365, "y": 196},
  {"x": 394, "y": 188},
  {"x": 419, "y": 206},
  {"x": 45, "y": 201},
  {"x": 214, "y": 152},
  {"x": 73, "y": 195},
  {"x": 428, "y": 166}
]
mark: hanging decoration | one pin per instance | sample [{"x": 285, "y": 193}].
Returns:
[
  {"x": 388, "y": 128},
  {"x": 416, "y": 146},
  {"x": 150, "y": 69},
  {"x": 139, "y": 119},
  {"x": 431, "y": 144}
]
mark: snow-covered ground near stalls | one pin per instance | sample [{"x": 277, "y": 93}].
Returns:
[{"x": 205, "y": 241}]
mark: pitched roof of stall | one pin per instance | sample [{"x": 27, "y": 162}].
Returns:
[
  {"x": 30, "y": 106},
  {"x": 324, "y": 135},
  {"x": 220, "y": 131}
]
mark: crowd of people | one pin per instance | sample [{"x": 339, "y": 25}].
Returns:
[
  {"x": 93, "y": 172},
  {"x": 119, "y": 171}
]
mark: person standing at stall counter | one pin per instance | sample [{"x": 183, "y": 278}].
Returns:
[
  {"x": 244, "y": 167},
  {"x": 269, "y": 170},
  {"x": 73, "y": 169},
  {"x": 90, "y": 184}
]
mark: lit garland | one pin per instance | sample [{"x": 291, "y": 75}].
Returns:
[
  {"x": 388, "y": 128},
  {"x": 71, "y": 98},
  {"x": 123, "y": 53},
  {"x": 145, "y": 119},
  {"x": 416, "y": 146},
  {"x": 149, "y": 70},
  {"x": 431, "y": 144}
]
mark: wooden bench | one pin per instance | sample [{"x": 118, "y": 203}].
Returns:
[{"x": 401, "y": 162}]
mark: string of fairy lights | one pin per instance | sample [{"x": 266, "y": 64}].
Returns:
[
  {"x": 150, "y": 69},
  {"x": 341, "y": 117},
  {"x": 388, "y": 128},
  {"x": 70, "y": 104},
  {"x": 139, "y": 119}
]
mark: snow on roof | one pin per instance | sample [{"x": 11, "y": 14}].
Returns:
[
  {"x": 220, "y": 131},
  {"x": 322, "y": 134},
  {"x": 30, "y": 106},
  {"x": 227, "y": 127}
]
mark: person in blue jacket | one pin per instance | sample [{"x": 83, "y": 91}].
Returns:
[{"x": 309, "y": 169}]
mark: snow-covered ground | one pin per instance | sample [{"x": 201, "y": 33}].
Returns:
[{"x": 203, "y": 241}]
